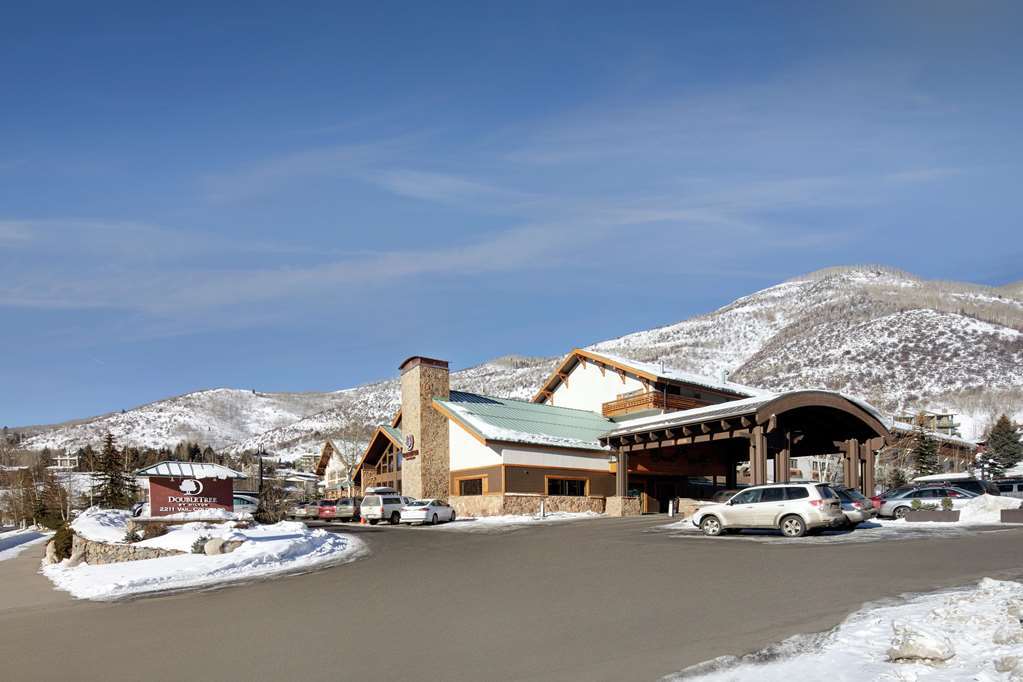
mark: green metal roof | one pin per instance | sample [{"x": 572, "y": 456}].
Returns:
[
  {"x": 394, "y": 433},
  {"x": 518, "y": 421}
]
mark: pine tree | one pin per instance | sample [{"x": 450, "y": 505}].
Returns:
[
  {"x": 116, "y": 490},
  {"x": 1004, "y": 448},
  {"x": 925, "y": 453}
]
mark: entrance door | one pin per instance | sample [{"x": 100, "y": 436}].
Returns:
[{"x": 664, "y": 492}]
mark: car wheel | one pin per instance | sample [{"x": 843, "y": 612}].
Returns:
[
  {"x": 900, "y": 512},
  {"x": 374, "y": 522},
  {"x": 433, "y": 521},
  {"x": 452, "y": 515},
  {"x": 711, "y": 526},
  {"x": 792, "y": 527},
  {"x": 395, "y": 519}
]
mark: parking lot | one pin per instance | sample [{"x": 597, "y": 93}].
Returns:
[{"x": 593, "y": 599}]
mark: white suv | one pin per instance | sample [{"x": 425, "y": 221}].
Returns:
[
  {"x": 793, "y": 508},
  {"x": 383, "y": 504}
]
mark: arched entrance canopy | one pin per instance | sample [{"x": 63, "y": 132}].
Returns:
[{"x": 811, "y": 422}]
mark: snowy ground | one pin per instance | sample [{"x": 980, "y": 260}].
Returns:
[
  {"x": 968, "y": 634},
  {"x": 271, "y": 550},
  {"x": 500, "y": 524}
]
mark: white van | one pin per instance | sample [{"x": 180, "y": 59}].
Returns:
[{"x": 383, "y": 504}]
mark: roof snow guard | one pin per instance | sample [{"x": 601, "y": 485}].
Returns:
[{"x": 173, "y": 469}]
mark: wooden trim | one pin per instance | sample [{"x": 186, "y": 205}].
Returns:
[
  {"x": 540, "y": 466},
  {"x": 484, "y": 477},
  {"x": 548, "y": 477},
  {"x": 453, "y": 417}
]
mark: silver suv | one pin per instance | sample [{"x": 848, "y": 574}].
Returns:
[{"x": 792, "y": 508}]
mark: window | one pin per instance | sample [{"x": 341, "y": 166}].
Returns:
[
  {"x": 826, "y": 492},
  {"x": 1006, "y": 487},
  {"x": 772, "y": 495},
  {"x": 794, "y": 493},
  {"x": 392, "y": 500},
  {"x": 470, "y": 486},
  {"x": 571, "y": 487},
  {"x": 747, "y": 497}
]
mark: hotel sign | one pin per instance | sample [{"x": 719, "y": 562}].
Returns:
[{"x": 169, "y": 495}]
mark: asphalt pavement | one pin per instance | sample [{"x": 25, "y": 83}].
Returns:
[{"x": 601, "y": 599}]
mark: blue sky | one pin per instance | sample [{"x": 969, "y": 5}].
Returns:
[{"x": 298, "y": 197}]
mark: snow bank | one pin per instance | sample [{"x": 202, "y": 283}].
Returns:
[
  {"x": 985, "y": 509},
  {"x": 280, "y": 548},
  {"x": 101, "y": 525},
  {"x": 207, "y": 515},
  {"x": 969, "y": 634},
  {"x": 512, "y": 521}
]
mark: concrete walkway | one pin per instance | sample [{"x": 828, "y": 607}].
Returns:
[{"x": 598, "y": 599}]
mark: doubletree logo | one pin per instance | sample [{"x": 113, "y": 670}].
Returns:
[{"x": 190, "y": 486}]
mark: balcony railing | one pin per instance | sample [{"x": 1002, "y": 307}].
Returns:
[{"x": 649, "y": 401}]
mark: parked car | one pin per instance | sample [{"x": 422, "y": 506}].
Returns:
[
  {"x": 303, "y": 511},
  {"x": 245, "y": 503},
  {"x": 1010, "y": 487},
  {"x": 427, "y": 511},
  {"x": 900, "y": 504},
  {"x": 793, "y": 508},
  {"x": 856, "y": 507},
  {"x": 724, "y": 495},
  {"x": 347, "y": 508},
  {"x": 964, "y": 481},
  {"x": 379, "y": 507}
]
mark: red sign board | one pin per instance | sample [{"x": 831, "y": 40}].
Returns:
[{"x": 177, "y": 495}]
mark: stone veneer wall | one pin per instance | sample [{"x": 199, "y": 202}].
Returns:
[
  {"x": 92, "y": 552},
  {"x": 426, "y": 475},
  {"x": 623, "y": 506},
  {"x": 495, "y": 505}
]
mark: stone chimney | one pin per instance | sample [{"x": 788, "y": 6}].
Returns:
[{"x": 425, "y": 471}]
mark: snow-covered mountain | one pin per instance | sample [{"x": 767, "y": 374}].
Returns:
[
  {"x": 902, "y": 342},
  {"x": 216, "y": 417}
]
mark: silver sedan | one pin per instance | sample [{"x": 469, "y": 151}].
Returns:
[{"x": 900, "y": 504}]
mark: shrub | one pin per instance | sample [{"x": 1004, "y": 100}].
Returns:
[
  {"x": 62, "y": 541},
  {"x": 199, "y": 546},
  {"x": 946, "y": 504},
  {"x": 154, "y": 530},
  {"x": 916, "y": 504},
  {"x": 131, "y": 536}
]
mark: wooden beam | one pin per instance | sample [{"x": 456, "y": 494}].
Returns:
[
  {"x": 669, "y": 434},
  {"x": 725, "y": 426},
  {"x": 687, "y": 431},
  {"x": 705, "y": 428},
  {"x": 772, "y": 423},
  {"x": 621, "y": 375},
  {"x": 746, "y": 422}
]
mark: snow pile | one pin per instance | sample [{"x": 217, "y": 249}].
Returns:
[
  {"x": 986, "y": 509},
  {"x": 511, "y": 521},
  {"x": 101, "y": 525},
  {"x": 970, "y": 634},
  {"x": 277, "y": 549}
]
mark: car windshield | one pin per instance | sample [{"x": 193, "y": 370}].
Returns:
[
  {"x": 344, "y": 500},
  {"x": 419, "y": 503},
  {"x": 826, "y": 491}
]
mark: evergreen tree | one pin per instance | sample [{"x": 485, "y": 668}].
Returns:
[
  {"x": 1004, "y": 448},
  {"x": 925, "y": 453},
  {"x": 116, "y": 490}
]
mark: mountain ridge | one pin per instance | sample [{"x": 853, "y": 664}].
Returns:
[{"x": 891, "y": 337}]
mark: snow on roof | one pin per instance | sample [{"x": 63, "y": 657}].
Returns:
[
  {"x": 696, "y": 414},
  {"x": 672, "y": 374},
  {"x": 188, "y": 470},
  {"x": 949, "y": 476},
  {"x": 904, "y": 428},
  {"x": 727, "y": 409},
  {"x": 519, "y": 421}
]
